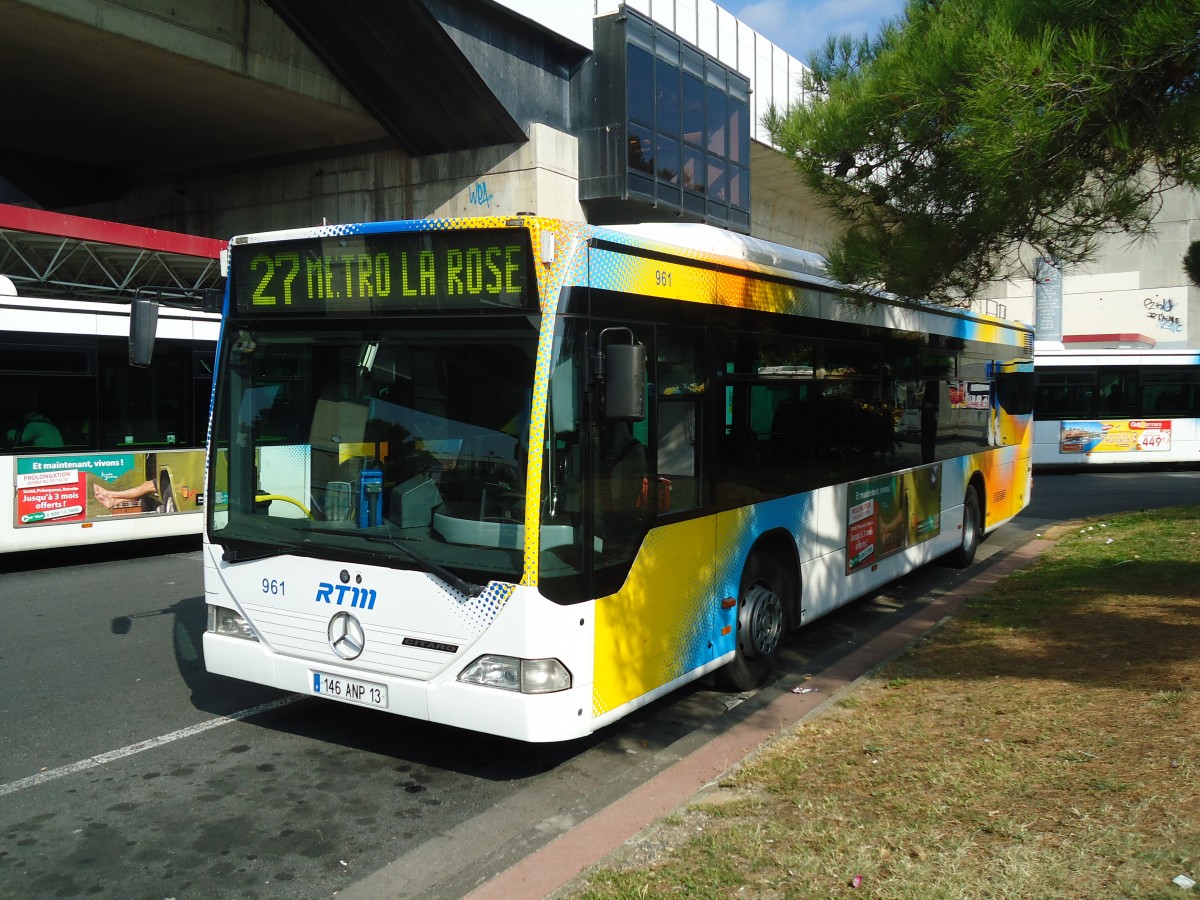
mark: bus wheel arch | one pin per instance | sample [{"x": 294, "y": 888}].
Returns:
[
  {"x": 973, "y": 518},
  {"x": 768, "y": 606}
]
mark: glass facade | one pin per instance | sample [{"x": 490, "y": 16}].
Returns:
[{"x": 684, "y": 119}]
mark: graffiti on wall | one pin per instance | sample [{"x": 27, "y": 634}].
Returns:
[
  {"x": 479, "y": 195},
  {"x": 1161, "y": 310}
]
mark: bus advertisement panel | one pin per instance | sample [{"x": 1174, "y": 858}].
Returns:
[
  {"x": 89, "y": 487},
  {"x": 887, "y": 514},
  {"x": 1152, "y": 435}
]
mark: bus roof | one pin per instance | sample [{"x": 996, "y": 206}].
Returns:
[
  {"x": 685, "y": 239},
  {"x": 709, "y": 239}
]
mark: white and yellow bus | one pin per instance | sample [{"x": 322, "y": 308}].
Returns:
[{"x": 524, "y": 476}]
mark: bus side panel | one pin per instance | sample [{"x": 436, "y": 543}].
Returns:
[
  {"x": 667, "y": 620},
  {"x": 997, "y": 469},
  {"x": 659, "y": 625},
  {"x": 1048, "y": 443},
  {"x": 739, "y": 529}
]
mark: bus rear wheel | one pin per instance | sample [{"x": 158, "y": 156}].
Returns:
[
  {"x": 760, "y": 624},
  {"x": 972, "y": 531}
]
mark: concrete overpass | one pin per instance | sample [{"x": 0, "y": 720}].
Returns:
[{"x": 227, "y": 116}]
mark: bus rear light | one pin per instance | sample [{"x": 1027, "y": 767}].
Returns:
[
  {"x": 529, "y": 676},
  {"x": 227, "y": 622}
]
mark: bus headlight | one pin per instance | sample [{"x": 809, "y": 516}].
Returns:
[
  {"x": 229, "y": 623},
  {"x": 529, "y": 676}
]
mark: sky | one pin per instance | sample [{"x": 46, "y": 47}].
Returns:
[{"x": 800, "y": 26}]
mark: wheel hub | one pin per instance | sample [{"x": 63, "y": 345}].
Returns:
[{"x": 761, "y": 621}]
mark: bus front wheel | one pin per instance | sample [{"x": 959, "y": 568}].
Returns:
[
  {"x": 760, "y": 624},
  {"x": 972, "y": 531}
]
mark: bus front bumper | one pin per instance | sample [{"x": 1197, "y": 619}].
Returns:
[{"x": 558, "y": 716}]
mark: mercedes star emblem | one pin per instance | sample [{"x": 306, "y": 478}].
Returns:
[{"x": 346, "y": 636}]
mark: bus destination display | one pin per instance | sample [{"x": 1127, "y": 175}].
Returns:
[{"x": 473, "y": 269}]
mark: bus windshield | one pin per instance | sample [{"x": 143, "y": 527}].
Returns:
[{"x": 405, "y": 441}]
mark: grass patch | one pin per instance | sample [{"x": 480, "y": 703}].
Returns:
[{"x": 1044, "y": 743}]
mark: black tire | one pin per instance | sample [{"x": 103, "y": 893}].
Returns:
[
  {"x": 761, "y": 620},
  {"x": 972, "y": 531}
]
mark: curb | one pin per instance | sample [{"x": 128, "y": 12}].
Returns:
[{"x": 570, "y": 855}]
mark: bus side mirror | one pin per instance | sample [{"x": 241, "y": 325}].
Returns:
[
  {"x": 143, "y": 323},
  {"x": 625, "y": 382},
  {"x": 213, "y": 299}
]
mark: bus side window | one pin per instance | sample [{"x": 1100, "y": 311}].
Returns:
[
  {"x": 202, "y": 381},
  {"x": 1167, "y": 392},
  {"x": 679, "y": 380},
  {"x": 51, "y": 383},
  {"x": 145, "y": 407},
  {"x": 622, "y": 473},
  {"x": 930, "y": 414},
  {"x": 1117, "y": 393}
]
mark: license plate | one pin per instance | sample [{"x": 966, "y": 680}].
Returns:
[{"x": 350, "y": 690}]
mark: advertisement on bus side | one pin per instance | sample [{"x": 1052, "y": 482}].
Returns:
[
  {"x": 89, "y": 487},
  {"x": 888, "y": 513},
  {"x": 1153, "y": 435}
]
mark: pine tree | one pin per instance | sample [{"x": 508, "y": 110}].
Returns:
[
  {"x": 970, "y": 129},
  {"x": 1191, "y": 262}
]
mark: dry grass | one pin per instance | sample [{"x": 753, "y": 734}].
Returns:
[{"x": 1042, "y": 744}]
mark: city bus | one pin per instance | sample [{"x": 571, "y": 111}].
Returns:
[
  {"x": 92, "y": 449},
  {"x": 524, "y": 476},
  {"x": 1116, "y": 406}
]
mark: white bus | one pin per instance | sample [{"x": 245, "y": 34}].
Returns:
[
  {"x": 1108, "y": 406},
  {"x": 524, "y": 476},
  {"x": 93, "y": 449}
]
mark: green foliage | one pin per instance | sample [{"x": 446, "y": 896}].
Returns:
[
  {"x": 1191, "y": 262},
  {"x": 969, "y": 128}
]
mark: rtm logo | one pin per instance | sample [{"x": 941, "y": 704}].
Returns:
[{"x": 362, "y": 598}]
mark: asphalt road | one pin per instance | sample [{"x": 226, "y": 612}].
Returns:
[
  {"x": 1070, "y": 495},
  {"x": 130, "y": 772}
]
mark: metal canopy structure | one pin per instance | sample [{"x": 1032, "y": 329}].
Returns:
[{"x": 71, "y": 257}]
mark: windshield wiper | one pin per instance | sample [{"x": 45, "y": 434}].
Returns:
[
  {"x": 262, "y": 551},
  {"x": 461, "y": 584}
]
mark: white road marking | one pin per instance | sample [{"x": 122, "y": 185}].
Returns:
[{"x": 92, "y": 761}]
